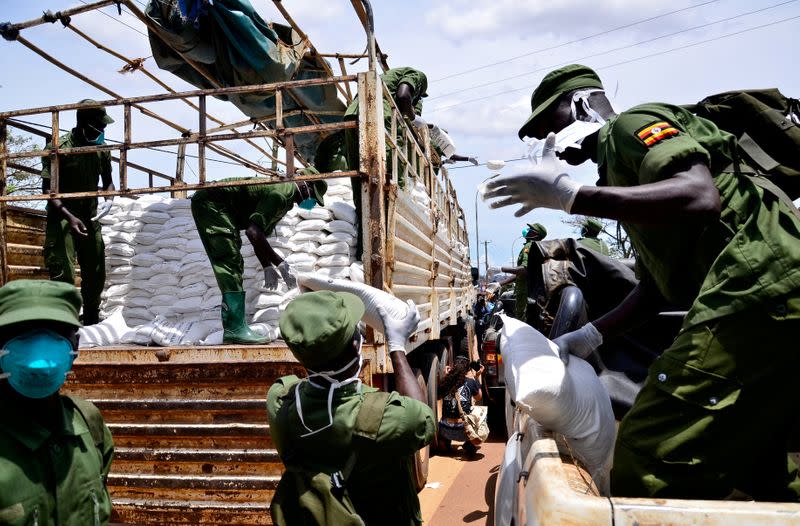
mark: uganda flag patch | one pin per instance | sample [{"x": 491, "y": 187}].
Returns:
[{"x": 656, "y": 131}]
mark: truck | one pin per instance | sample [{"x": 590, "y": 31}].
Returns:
[{"x": 189, "y": 422}]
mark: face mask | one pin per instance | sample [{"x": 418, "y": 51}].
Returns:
[
  {"x": 36, "y": 363},
  {"x": 525, "y": 232},
  {"x": 101, "y": 135},
  {"x": 333, "y": 386},
  {"x": 573, "y": 135},
  {"x": 308, "y": 203}
]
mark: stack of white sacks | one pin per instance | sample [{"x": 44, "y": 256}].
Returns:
[{"x": 159, "y": 284}]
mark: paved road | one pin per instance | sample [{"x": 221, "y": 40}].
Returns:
[{"x": 461, "y": 490}]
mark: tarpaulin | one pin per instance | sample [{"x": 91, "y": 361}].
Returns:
[{"x": 230, "y": 42}]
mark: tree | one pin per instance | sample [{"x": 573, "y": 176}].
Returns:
[
  {"x": 613, "y": 233},
  {"x": 23, "y": 176}
]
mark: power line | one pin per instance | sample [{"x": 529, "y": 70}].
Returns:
[
  {"x": 484, "y": 164},
  {"x": 613, "y": 50},
  {"x": 679, "y": 48},
  {"x": 117, "y": 19},
  {"x": 581, "y": 39}
]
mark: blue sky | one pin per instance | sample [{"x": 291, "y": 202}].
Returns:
[{"x": 706, "y": 47}]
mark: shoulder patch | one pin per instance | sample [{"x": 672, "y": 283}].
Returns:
[{"x": 655, "y": 132}]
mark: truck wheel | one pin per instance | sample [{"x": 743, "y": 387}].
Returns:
[
  {"x": 430, "y": 370},
  {"x": 444, "y": 358},
  {"x": 421, "y": 457}
]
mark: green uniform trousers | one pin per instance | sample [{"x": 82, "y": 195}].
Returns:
[
  {"x": 61, "y": 248},
  {"x": 716, "y": 411},
  {"x": 222, "y": 241}
]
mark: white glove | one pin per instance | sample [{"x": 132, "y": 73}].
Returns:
[
  {"x": 473, "y": 160},
  {"x": 419, "y": 122},
  {"x": 271, "y": 276},
  {"x": 103, "y": 209},
  {"x": 544, "y": 186},
  {"x": 288, "y": 274},
  {"x": 581, "y": 343},
  {"x": 398, "y": 331}
]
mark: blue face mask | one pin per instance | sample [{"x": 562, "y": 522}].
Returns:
[
  {"x": 101, "y": 136},
  {"x": 36, "y": 363},
  {"x": 525, "y": 231},
  {"x": 308, "y": 204}
]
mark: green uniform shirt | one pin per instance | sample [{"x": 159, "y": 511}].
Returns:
[
  {"x": 263, "y": 205},
  {"x": 78, "y": 173},
  {"x": 52, "y": 476},
  {"x": 521, "y": 283},
  {"x": 381, "y": 485},
  {"x": 751, "y": 254},
  {"x": 592, "y": 243},
  {"x": 393, "y": 78}
]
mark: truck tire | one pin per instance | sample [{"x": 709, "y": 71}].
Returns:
[
  {"x": 421, "y": 457},
  {"x": 430, "y": 371},
  {"x": 444, "y": 358}
]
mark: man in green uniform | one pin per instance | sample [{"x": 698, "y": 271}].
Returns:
[
  {"x": 713, "y": 417},
  {"x": 72, "y": 228},
  {"x": 55, "y": 451},
  {"x": 589, "y": 231},
  {"x": 340, "y": 151},
  {"x": 312, "y": 420},
  {"x": 220, "y": 213},
  {"x": 532, "y": 232}
]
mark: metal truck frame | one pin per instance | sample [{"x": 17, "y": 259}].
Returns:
[{"x": 189, "y": 422}]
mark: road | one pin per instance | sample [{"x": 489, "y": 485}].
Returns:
[{"x": 461, "y": 490}]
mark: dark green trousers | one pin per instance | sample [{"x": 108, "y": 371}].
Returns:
[
  {"x": 222, "y": 241},
  {"x": 61, "y": 248},
  {"x": 716, "y": 411}
]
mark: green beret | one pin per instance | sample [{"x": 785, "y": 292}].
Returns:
[
  {"x": 553, "y": 86},
  {"x": 537, "y": 228},
  {"x": 318, "y": 326},
  {"x": 95, "y": 113},
  {"x": 593, "y": 224},
  {"x": 39, "y": 300}
]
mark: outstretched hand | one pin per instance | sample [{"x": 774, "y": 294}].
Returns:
[{"x": 543, "y": 186}]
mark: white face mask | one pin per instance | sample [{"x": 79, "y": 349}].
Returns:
[
  {"x": 573, "y": 135},
  {"x": 332, "y": 386}
]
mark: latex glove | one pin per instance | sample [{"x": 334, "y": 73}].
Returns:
[
  {"x": 580, "y": 343},
  {"x": 103, "y": 209},
  {"x": 271, "y": 276},
  {"x": 473, "y": 160},
  {"x": 398, "y": 331},
  {"x": 419, "y": 122},
  {"x": 544, "y": 186},
  {"x": 288, "y": 274}
]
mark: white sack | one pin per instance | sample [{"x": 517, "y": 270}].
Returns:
[
  {"x": 329, "y": 249},
  {"x": 299, "y": 258},
  {"x": 154, "y": 216},
  {"x": 120, "y": 249},
  {"x": 339, "y": 237},
  {"x": 340, "y": 272},
  {"x": 337, "y": 225},
  {"x": 146, "y": 260},
  {"x": 343, "y": 211},
  {"x": 310, "y": 224},
  {"x": 334, "y": 260},
  {"x": 315, "y": 213},
  {"x": 310, "y": 235},
  {"x": 567, "y": 400},
  {"x": 107, "y": 332},
  {"x": 145, "y": 238},
  {"x": 357, "y": 272}
]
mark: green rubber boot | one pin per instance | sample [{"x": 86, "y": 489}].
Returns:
[{"x": 236, "y": 330}]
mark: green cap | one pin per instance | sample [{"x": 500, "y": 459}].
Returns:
[
  {"x": 318, "y": 326},
  {"x": 593, "y": 225},
  {"x": 96, "y": 113},
  {"x": 36, "y": 299},
  {"x": 553, "y": 86},
  {"x": 537, "y": 228}
]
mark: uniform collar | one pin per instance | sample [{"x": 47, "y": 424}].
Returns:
[
  {"x": 311, "y": 392},
  {"x": 77, "y": 137},
  {"x": 32, "y": 434},
  {"x": 602, "y": 149}
]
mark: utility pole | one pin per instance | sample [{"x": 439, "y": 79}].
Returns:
[
  {"x": 486, "y": 256},
  {"x": 477, "y": 239}
]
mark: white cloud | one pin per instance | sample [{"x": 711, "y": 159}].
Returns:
[{"x": 466, "y": 19}]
